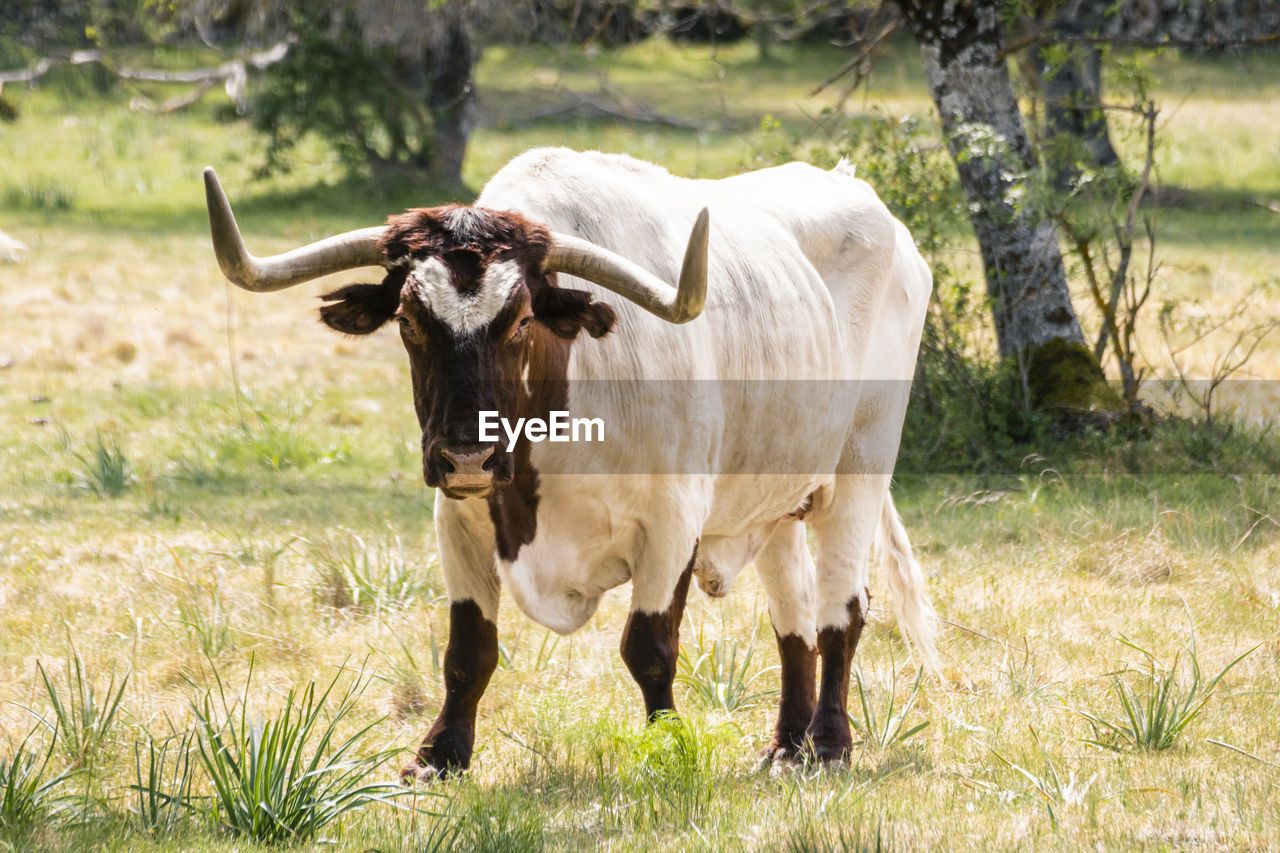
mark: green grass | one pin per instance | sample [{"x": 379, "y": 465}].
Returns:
[{"x": 213, "y": 555}]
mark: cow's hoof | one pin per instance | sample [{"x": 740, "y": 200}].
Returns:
[
  {"x": 782, "y": 753},
  {"x": 781, "y": 761},
  {"x": 419, "y": 772},
  {"x": 820, "y": 752}
]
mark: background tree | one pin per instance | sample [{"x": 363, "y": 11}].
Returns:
[
  {"x": 1035, "y": 323},
  {"x": 387, "y": 82},
  {"x": 1066, "y": 39}
]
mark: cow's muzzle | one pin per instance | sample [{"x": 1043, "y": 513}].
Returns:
[{"x": 465, "y": 471}]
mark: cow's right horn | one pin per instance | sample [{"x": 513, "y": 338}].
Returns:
[
  {"x": 353, "y": 249},
  {"x": 596, "y": 264}
]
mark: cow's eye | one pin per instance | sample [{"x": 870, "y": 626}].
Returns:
[{"x": 518, "y": 333}]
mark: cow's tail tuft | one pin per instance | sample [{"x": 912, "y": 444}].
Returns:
[{"x": 916, "y": 616}]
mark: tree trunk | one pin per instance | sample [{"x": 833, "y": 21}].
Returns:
[
  {"x": 1035, "y": 322},
  {"x": 451, "y": 58},
  {"x": 435, "y": 58},
  {"x": 1075, "y": 125}
]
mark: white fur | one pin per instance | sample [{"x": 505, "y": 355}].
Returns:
[
  {"x": 465, "y": 536},
  {"x": 464, "y": 313},
  {"x": 810, "y": 277}
]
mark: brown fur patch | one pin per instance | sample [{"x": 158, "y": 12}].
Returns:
[
  {"x": 651, "y": 644},
  {"x": 496, "y": 235},
  {"x": 469, "y": 662},
  {"x": 829, "y": 737},
  {"x": 796, "y": 701}
]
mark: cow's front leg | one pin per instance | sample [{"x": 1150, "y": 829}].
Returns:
[
  {"x": 651, "y": 642},
  {"x": 466, "y": 539},
  {"x": 469, "y": 662}
]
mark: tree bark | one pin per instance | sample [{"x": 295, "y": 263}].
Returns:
[
  {"x": 1075, "y": 124},
  {"x": 960, "y": 42},
  {"x": 451, "y": 60}
]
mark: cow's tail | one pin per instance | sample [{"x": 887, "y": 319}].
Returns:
[{"x": 916, "y": 616}]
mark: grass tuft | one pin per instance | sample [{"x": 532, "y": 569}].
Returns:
[
  {"x": 719, "y": 678},
  {"x": 27, "y": 798},
  {"x": 162, "y": 790},
  {"x": 105, "y": 471},
  {"x": 370, "y": 578},
  {"x": 40, "y": 194},
  {"x": 832, "y": 837},
  {"x": 286, "y": 777},
  {"x": 201, "y": 610},
  {"x": 886, "y": 727},
  {"x": 1157, "y": 702},
  {"x": 661, "y": 776},
  {"x": 1049, "y": 785},
  {"x": 84, "y": 722},
  {"x": 499, "y": 825}
]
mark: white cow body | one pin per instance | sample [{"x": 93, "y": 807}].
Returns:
[{"x": 810, "y": 278}]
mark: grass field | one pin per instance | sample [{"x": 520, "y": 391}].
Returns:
[{"x": 196, "y": 483}]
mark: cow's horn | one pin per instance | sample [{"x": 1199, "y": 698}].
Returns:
[
  {"x": 586, "y": 260},
  {"x": 333, "y": 254}
]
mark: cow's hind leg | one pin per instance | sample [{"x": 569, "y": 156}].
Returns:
[
  {"x": 844, "y": 531},
  {"x": 786, "y": 572},
  {"x": 651, "y": 644}
]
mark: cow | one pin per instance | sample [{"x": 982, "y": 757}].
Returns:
[{"x": 553, "y": 293}]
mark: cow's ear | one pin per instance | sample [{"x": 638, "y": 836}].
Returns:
[
  {"x": 567, "y": 312},
  {"x": 359, "y": 309}
]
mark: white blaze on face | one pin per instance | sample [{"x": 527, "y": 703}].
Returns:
[{"x": 464, "y": 313}]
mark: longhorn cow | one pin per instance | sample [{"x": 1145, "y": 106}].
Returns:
[{"x": 719, "y": 451}]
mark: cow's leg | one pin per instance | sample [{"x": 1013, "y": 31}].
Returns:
[
  {"x": 844, "y": 531},
  {"x": 651, "y": 638},
  {"x": 786, "y": 572},
  {"x": 465, "y": 535}
]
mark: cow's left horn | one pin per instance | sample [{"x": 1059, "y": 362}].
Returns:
[
  {"x": 353, "y": 249},
  {"x": 586, "y": 260}
]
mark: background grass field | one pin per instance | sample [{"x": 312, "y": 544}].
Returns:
[{"x": 196, "y": 480}]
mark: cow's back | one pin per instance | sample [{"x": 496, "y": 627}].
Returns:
[{"x": 810, "y": 278}]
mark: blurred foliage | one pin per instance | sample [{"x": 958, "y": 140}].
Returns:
[
  {"x": 332, "y": 84},
  {"x": 386, "y": 85},
  {"x": 72, "y": 24}
]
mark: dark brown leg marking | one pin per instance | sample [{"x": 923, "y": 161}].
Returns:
[
  {"x": 796, "y": 704},
  {"x": 650, "y": 645},
  {"x": 469, "y": 661},
  {"x": 829, "y": 738}
]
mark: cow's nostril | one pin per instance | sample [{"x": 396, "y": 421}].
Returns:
[{"x": 460, "y": 460}]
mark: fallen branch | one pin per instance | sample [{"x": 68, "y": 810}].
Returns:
[
  {"x": 43, "y": 66},
  {"x": 233, "y": 74}
]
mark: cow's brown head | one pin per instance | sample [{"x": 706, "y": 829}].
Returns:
[{"x": 475, "y": 294}]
